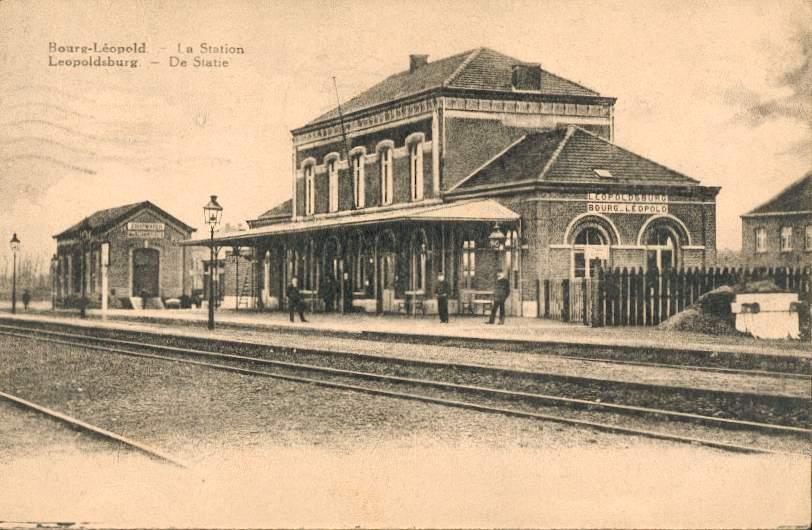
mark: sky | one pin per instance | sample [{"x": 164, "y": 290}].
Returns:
[{"x": 720, "y": 91}]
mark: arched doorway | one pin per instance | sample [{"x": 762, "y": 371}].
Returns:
[
  {"x": 146, "y": 272},
  {"x": 386, "y": 251},
  {"x": 331, "y": 257},
  {"x": 418, "y": 261}
]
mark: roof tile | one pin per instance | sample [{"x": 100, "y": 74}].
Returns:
[
  {"x": 797, "y": 197},
  {"x": 571, "y": 154},
  {"x": 478, "y": 69}
]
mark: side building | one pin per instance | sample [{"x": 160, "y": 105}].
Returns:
[
  {"x": 464, "y": 166},
  {"x": 779, "y": 232},
  {"x": 140, "y": 242}
]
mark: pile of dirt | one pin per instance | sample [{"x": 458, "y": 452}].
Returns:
[{"x": 710, "y": 314}]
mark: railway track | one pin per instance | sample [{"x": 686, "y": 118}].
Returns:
[
  {"x": 490, "y": 398},
  {"x": 92, "y": 430},
  {"x": 704, "y": 360}
]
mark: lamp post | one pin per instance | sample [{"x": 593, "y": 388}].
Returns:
[
  {"x": 15, "y": 247},
  {"x": 54, "y": 280},
  {"x": 84, "y": 237},
  {"x": 212, "y": 213}
]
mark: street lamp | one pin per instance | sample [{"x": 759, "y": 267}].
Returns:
[
  {"x": 212, "y": 213},
  {"x": 15, "y": 247}
]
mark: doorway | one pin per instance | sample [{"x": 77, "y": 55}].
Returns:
[
  {"x": 385, "y": 280},
  {"x": 146, "y": 272}
]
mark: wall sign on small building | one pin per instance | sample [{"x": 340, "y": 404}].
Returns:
[
  {"x": 145, "y": 230},
  {"x": 634, "y": 203}
]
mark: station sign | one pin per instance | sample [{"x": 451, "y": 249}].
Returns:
[
  {"x": 146, "y": 230},
  {"x": 633, "y": 203}
]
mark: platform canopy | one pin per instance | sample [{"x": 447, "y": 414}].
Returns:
[{"x": 479, "y": 210}]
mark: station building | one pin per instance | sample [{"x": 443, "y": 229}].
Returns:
[
  {"x": 135, "y": 245},
  {"x": 779, "y": 232},
  {"x": 467, "y": 165}
]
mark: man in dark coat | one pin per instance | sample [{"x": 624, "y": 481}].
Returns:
[
  {"x": 328, "y": 292},
  {"x": 347, "y": 293},
  {"x": 442, "y": 290},
  {"x": 295, "y": 301},
  {"x": 500, "y": 294}
]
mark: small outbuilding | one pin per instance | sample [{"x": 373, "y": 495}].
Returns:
[
  {"x": 129, "y": 251},
  {"x": 779, "y": 232}
]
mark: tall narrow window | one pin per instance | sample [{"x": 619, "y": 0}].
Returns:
[
  {"x": 358, "y": 179},
  {"x": 332, "y": 179},
  {"x": 309, "y": 190},
  {"x": 468, "y": 262},
  {"x": 761, "y": 239},
  {"x": 786, "y": 238},
  {"x": 808, "y": 238},
  {"x": 386, "y": 176},
  {"x": 416, "y": 170}
]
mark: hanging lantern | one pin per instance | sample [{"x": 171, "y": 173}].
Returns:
[{"x": 497, "y": 238}]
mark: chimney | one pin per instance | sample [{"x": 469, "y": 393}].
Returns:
[
  {"x": 527, "y": 76},
  {"x": 417, "y": 61}
]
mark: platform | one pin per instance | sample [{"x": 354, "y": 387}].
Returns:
[{"x": 516, "y": 329}]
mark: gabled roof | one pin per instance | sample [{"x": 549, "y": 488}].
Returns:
[
  {"x": 284, "y": 209},
  {"x": 100, "y": 221},
  {"x": 478, "y": 69},
  {"x": 280, "y": 212},
  {"x": 797, "y": 197},
  {"x": 569, "y": 154}
]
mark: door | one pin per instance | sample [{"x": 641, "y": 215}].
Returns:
[
  {"x": 386, "y": 282},
  {"x": 146, "y": 269}
]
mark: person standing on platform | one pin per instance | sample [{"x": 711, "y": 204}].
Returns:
[
  {"x": 295, "y": 301},
  {"x": 500, "y": 294},
  {"x": 442, "y": 290},
  {"x": 347, "y": 293},
  {"x": 26, "y": 299},
  {"x": 328, "y": 292}
]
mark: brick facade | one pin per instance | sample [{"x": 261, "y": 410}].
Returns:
[
  {"x": 174, "y": 261},
  {"x": 469, "y": 116},
  {"x": 772, "y": 255}
]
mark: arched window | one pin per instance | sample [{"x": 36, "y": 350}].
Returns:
[
  {"x": 310, "y": 193},
  {"x": 590, "y": 250},
  {"x": 387, "y": 186},
  {"x": 332, "y": 180},
  {"x": 358, "y": 179},
  {"x": 416, "y": 170},
  {"x": 662, "y": 247}
]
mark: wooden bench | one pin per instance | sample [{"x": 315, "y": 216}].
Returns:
[
  {"x": 477, "y": 302},
  {"x": 412, "y": 302}
]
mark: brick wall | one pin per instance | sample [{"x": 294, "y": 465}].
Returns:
[
  {"x": 174, "y": 261},
  {"x": 470, "y": 143},
  {"x": 372, "y": 172},
  {"x": 552, "y": 219},
  {"x": 773, "y": 257}
]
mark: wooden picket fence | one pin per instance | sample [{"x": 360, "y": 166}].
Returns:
[{"x": 633, "y": 297}]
